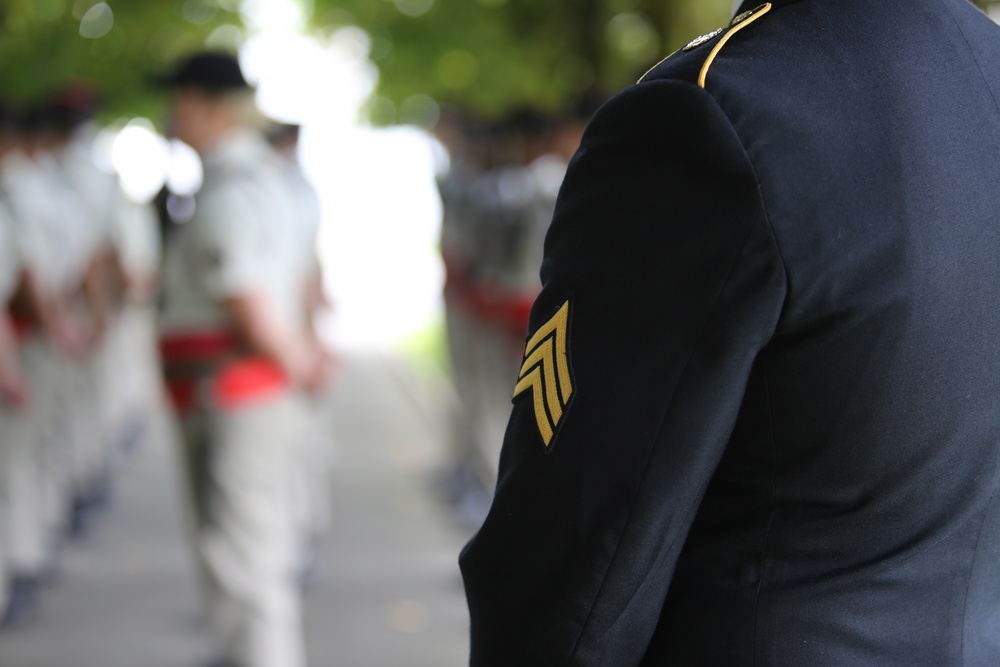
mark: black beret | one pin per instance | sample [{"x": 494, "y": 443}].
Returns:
[
  {"x": 73, "y": 106},
  {"x": 210, "y": 71}
]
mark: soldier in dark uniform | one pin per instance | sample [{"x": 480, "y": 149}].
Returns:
[{"x": 758, "y": 421}]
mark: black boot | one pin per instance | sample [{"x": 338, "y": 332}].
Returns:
[{"x": 23, "y": 602}]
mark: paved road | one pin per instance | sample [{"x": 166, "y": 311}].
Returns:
[{"x": 389, "y": 592}]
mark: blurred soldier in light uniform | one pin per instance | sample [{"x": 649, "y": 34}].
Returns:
[
  {"x": 41, "y": 468},
  {"x": 467, "y": 157},
  {"x": 84, "y": 249},
  {"x": 134, "y": 363},
  {"x": 96, "y": 201},
  {"x": 13, "y": 395},
  {"x": 508, "y": 199},
  {"x": 122, "y": 257},
  {"x": 136, "y": 238},
  {"x": 236, "y": 357},
  {"x": 13, "y": 391},
  {"x": 492, "y": 238},
  {"x": 313, "y": 498}
]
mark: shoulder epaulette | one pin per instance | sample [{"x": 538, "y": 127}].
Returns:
[{"x": 738, "y": 23}]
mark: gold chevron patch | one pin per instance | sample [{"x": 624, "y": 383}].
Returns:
[{"x": 545, "y": 372}]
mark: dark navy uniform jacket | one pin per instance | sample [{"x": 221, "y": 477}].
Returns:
[{"x": 758, "y": 421}]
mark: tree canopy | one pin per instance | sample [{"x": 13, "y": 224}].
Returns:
[
  {"x": 492, "y": 55},
  {"x": 115, "y": 45},
  {"x": 489, "y": 56}
]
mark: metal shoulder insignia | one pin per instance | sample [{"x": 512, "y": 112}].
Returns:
[
  {"x": 740, "y": 22},
  {"x": 545, "y": 373},
  {"x": 704, "y": 39}
]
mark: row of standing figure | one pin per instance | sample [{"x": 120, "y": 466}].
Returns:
[
  {"x": 498, "y": 193},
  {"x": 78, "y": 380},
  {"x": 110, "y": 317}
]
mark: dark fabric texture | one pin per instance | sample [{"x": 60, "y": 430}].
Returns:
[{"x": 785, "y": 303}]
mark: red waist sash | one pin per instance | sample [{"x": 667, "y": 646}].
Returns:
[
  {"x": 235, "y": 378},
  {"x": 246, "y": 381}
]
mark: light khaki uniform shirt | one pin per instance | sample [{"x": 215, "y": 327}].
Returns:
[
  {"x": 112, "y": 221},
  {"x": 96, "y": 191},
  {"x": 241, "y": 240},
  {"x": 304, "y": 208},
  {"x": 47, "y": 221}
]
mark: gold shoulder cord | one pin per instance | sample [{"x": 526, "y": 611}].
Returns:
[{"x": 757, "y": 13}]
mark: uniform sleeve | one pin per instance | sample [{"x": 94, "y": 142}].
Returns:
[
  {"x": 233, "y": 242},
  {"x": 26, "y": 221},
  {"x": 661, "y": 272}
]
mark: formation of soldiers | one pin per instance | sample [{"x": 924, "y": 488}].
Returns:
[
  {"x": 498, "y": 192},
  {"x": 236, "y": 286},
  {"x": 109, "y": 313},
  {"x": 78, "y": 263}
]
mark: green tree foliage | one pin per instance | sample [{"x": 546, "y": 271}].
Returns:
[
  {"x": 492, "y": 55},
  {"x": 117, "y": 46},
  {"x": 486, "y": 55}
]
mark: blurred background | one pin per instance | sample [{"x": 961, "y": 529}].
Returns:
[{"x": 435, "y": 134}]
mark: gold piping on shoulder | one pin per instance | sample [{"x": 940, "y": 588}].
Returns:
[
  {"x": 742, "y": 22},
  {"x": 643, "y": 77}
]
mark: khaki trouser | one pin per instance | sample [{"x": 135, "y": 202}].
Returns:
[
  {"x": 4, "y": 567},
  {"x": 128, "y": 376},
  {"x": 83, "y": 409},
  {"x": 139, "y": 364},
  {"x": 241, "y": 466},
  {"x": 311, "y": 490},
  {"x": 498, "y": 355},
  {"x": 30, "y": 483},
  {"x": 115, "y": 385},
  {"x": 461, "y": 329},
  {"x": 21, "y": 486}
]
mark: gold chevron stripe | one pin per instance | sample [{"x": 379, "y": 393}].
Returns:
[
  {"x": 543, "y": 356},
  {"x": 559, "y": 325},
  {"x": 546, "y": 372},
  {"x": 533, "y": 381}
]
